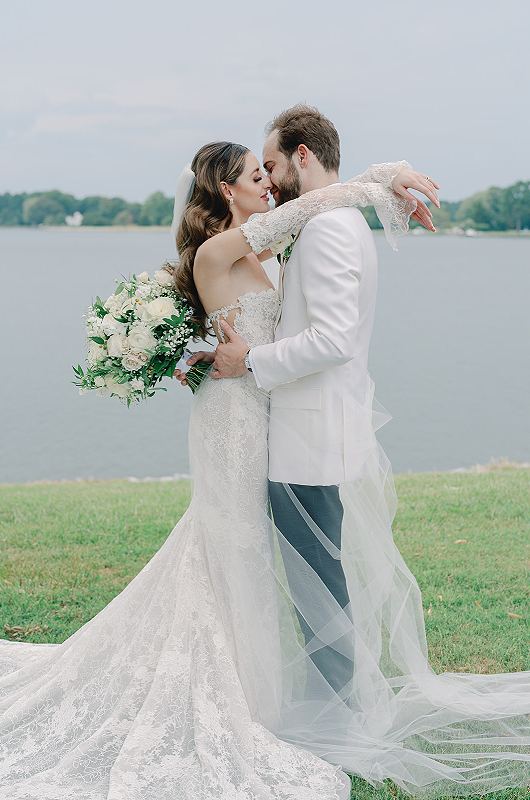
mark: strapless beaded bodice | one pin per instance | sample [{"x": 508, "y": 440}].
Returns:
[{"x": 256, "y": 317}]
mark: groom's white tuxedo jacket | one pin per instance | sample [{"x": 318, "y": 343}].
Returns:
[{"x": 317, "y": 366}]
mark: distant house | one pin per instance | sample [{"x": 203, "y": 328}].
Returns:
[{"x": 74, "y": 220}]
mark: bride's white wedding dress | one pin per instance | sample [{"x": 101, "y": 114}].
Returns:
[
  {"x": 165, "y": 694},
  {"x": 194, "y": 682}
]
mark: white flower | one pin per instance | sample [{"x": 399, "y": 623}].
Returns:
[
  {"x": 140, "y": 337},
  {"x": 134, "y": 360},
  {"x": 143, "y": 291},
  {"x": 137, "y": 383},
  {"x": 99, "y": 380},
  {"x": 127, "y": 304},
  {"x": 93, "y": 325},
  {"x": 113, "y": 303},
  {"x": 111, "y": 325},
  {"x": 117, "y": 345},
  {"x": 282, "y": 244},
  {"x": 96, "y": 353},
  {"x": 164, "y": 277},
  {"x": 121, "y": 389},
  {"x": 143, "y": 277},
  {"x": 156, "y": 310}
]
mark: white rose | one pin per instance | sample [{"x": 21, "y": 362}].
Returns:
[
  {"x": 133, "y": 361},
  {"x": 282, "y": 244},
  {"x": 137, "y": 383},
  {"x": 117, "y": 345},
  {"x": 156, "y": 310},
  {"x": 164, "y": 278},
  {"x": 121, "y": 389},
  {"x": 111, "y": 325},
  {"x": 143, "y": 277},
  {"x": 99, "y": 380},
  {"x": 113, "y": 303},
  {"x": 141, "y": 338},
  {"x": 96, "y": 353}
]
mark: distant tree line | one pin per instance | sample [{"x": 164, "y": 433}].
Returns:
[
  {"x": 493, "y": 209},
  {"x": 52, "y": 208}
]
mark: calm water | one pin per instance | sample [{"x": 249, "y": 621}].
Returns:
[{"x": 449, "y": 356}]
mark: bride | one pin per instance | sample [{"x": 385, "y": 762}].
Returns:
[{"x": 196, "y": 680}]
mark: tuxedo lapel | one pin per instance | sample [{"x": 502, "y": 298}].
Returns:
[
  {"x": 280, "y": 293},
  {"x": 283, "y": 262}
]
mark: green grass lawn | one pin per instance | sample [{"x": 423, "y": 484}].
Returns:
[{"x": 69, "y": 548}]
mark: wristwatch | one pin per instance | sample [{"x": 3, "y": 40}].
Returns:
[{"x": 247, "y": 361}]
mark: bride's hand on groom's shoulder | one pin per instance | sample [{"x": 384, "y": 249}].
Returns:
[{"x": 408, "y": 178}]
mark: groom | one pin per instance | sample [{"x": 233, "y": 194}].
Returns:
[{"x": 316, "y": 368}]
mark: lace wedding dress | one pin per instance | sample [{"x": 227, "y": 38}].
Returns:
[{"x": 166, "y": 693}]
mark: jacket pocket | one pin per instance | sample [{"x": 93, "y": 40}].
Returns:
[{"x": 286, "y": 397}]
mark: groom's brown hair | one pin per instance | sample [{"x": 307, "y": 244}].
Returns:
[{"x": 303, "y": 124}]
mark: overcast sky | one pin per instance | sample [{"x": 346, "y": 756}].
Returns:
[{"x": 114, "y": 97}]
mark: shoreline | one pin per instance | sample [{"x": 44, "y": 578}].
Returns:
[
  {"x": 417, "y": 231},
  {"x": 495, "y": 465}
]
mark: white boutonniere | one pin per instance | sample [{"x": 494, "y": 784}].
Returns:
[{"x": 286, "y": 255}]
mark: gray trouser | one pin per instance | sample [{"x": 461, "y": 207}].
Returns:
[{"x": 323, "y": 505}]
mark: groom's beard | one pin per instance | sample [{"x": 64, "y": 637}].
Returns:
[{"x": 289, "y": 188}]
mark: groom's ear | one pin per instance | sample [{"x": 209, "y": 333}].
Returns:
[{"x": 302, "y": 156}]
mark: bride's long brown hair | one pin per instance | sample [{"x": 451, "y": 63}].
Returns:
[{"x": 207, "y": 213}]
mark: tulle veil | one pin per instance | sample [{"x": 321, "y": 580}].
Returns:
[{"x": 433, "y": 734}]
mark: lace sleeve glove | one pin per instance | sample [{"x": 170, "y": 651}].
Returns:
[
  {"x": 269, "y": 230},
  {"x": 381, "y": 173}
]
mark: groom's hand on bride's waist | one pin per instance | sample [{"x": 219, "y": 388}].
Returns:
[{"x": 230, "y": 357}]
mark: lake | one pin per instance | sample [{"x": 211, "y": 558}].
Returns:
[{"x": 449, "y": 356}]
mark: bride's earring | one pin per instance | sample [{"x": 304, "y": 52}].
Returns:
[{"x": 230, "y": 201}]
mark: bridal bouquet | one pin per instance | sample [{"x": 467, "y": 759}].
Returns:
[{"x": 136, "y": 337}]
